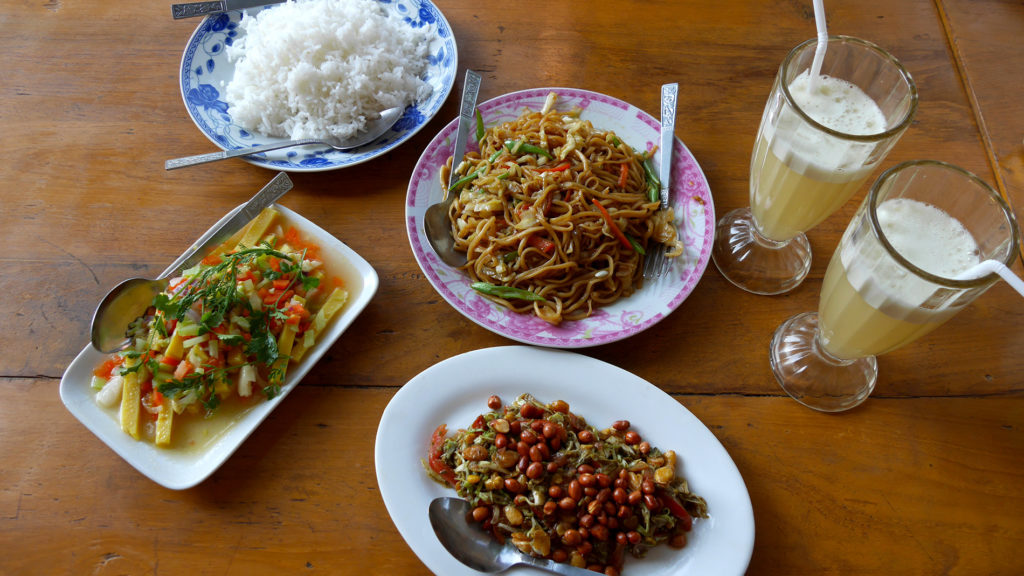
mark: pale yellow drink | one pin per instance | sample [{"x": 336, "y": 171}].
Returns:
[
  {"x": 801, "y": 174},
  {"x": 869, "y": 303}
]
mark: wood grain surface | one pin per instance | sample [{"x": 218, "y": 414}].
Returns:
[{"x": 923, "y": 479}]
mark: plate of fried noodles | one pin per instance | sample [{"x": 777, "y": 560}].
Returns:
[{"x": 557, "y": 209}]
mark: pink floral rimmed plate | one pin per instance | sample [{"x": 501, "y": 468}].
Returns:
[{"x": 694, "y": 211}]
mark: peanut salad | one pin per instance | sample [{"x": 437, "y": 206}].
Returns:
[
  {"x": 225, "y": 330},
  {"x": 540, "y": 476}
]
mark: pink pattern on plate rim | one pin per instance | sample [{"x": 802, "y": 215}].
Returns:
[{"x": 691, "y": 199}]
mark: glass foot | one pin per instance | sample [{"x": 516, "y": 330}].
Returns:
[
  {"x": 755, "y": 263},
  {"x": 814, "y": 377}
]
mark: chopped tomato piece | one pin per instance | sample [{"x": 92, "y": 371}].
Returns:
[
  {"x": 291, "y": 236},
  {"x": 279, "y": 299},
  {"x": 479, "y": 423},
  {"x": 677, "y": 510},
  {"x": 106, "y": 369},
  {"x": 543, "y": 244},
  {"x": 184, "y": 369},
  {"x": 434, "y": 455},
  {"x": 560, "y": 168}
]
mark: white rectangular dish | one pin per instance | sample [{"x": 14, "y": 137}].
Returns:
[{"x": 180, "y": 469}]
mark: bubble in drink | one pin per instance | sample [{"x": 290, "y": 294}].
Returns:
[
  {"x": 869, "y": 303},
  {"x": 800, "y": 174},
  {"x": 838, "y": 104}
]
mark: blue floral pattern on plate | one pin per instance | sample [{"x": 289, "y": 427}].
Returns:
[{"x": 206, "y": 71}]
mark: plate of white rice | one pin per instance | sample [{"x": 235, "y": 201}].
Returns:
[{"x": 308, "y": 68}]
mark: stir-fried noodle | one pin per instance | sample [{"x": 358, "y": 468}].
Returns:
[{"x": 555, "y": 216}]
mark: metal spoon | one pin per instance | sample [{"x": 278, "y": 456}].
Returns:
[
  {"x": 478, "y": 549},
  {"x": 374, "y": 129},
  {"x": 435, "y": 221},
  {"x": 129, "y": 299}
]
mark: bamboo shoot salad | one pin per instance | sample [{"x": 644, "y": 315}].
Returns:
[
  {"x": 540, "y": 476},
  {"x": 225, "y": 331}
]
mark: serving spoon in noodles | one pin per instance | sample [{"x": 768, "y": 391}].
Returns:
[
  {"x": 129, "y": 299},
  {"x": 374, "y": 129},
  {"x": 435, "y": 222}
]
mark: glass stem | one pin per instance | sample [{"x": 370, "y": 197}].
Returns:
[{"x": 824, "y": 354}]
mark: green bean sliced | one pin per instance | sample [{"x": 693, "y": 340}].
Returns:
[
  {"x": 506, "y": 292},
  {"x": 519, "y": 147}
]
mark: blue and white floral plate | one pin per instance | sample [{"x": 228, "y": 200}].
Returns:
[{"x": 206, "y": 71}]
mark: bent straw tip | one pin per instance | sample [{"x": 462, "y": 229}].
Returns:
[{"x": 993, "y": 266}]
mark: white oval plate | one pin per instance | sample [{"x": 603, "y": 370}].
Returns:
[
  {"x": 694, "y": 211},
  {"x": 206, "y": 71},
  {"x": 455, "y": 392},
  {"x": 177, "y": 469}
]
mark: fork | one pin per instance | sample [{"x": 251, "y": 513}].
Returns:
[{"x": 654, "y": 266}]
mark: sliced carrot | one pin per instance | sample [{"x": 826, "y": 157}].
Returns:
[{"x": 611, "y": 224}]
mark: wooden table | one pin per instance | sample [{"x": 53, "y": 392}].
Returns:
[{"x": 925, "y": 478}]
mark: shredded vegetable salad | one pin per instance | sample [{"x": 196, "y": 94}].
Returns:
[
  {"x": 540, "y": 476},
  {"x": 225, "y": 328}
]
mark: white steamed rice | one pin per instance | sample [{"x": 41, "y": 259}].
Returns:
[{"x": 309, "y": 68}]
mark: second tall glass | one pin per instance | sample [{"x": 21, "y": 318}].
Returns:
[{"x": 819, "y": 139}]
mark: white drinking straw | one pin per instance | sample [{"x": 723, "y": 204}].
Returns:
[
  {"x": 990, "y": 266},
  {"x": 819, "y": 51}
]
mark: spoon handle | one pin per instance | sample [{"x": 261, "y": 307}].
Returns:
[
  {"x": 191, "y": 9},
  {"x": 224, "y": 154},
  {"x": 231, "y": 223},
  {"x": 553, "y": 567},
  {"x": 470, "y": 90},
  {"x": 669, "y": 95}
]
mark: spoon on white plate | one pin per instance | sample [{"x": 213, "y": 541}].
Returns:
[
  {"x": 478, "y": 549},
  {"x": 374, "y": 129}
]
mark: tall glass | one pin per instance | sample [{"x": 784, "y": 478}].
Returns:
[
  {"x": 893, "y": 279},
  {"x": 818, "y": 141}
]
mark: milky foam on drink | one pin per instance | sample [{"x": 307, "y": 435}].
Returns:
[
  {"x": 928, "y": 237},
  {"x": 838, "y": 104}
]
